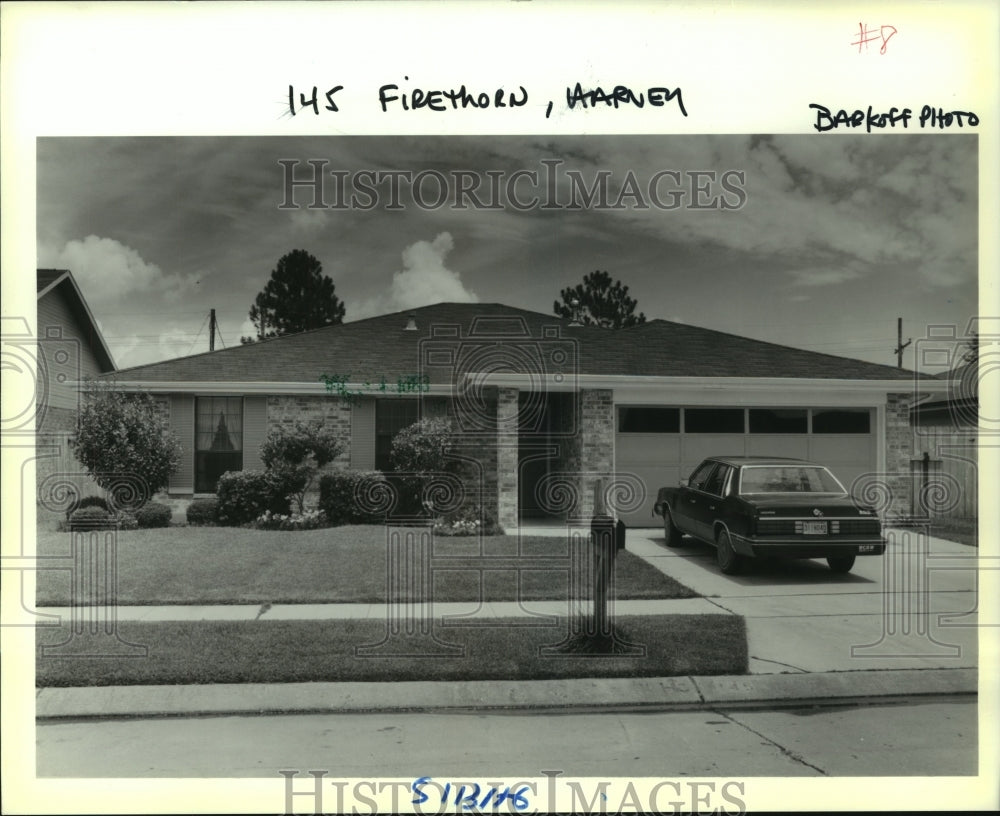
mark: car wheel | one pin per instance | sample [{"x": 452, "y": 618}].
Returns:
[
  {"x": 730, "y": 562},
  {"x": 840, "y": 563},
  {"x": 671, "y": 535}
]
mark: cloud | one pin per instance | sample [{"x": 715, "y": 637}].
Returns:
[
  {"x": 823, "y": 277},
  {"x": 424, "y": 279},
  {"x": 172, "y": 341},
  {"x": 108, "y": 271}
]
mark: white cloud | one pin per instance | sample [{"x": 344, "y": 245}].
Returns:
[
  {"x": 172, "y": 341},
  {"x": 424, "y": 279},
  {"x": 108, "y": 271},
  {"x": 823, "y": 277}
]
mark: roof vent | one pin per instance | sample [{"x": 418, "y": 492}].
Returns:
[{"x": 411, "y": 322}]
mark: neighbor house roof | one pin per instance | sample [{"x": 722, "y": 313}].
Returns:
[
  {"x": 51, "y": 280},
  {"x": 383, "y": 346}
]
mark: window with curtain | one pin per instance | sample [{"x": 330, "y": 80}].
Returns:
[{"x": 218, "y": 440}]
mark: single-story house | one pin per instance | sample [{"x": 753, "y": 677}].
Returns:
[
  {"x": 69, "y": 348},
  {"x": 544, "y": 406}
]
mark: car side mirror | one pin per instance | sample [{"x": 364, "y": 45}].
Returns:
[{"x": 684, "y": 482}]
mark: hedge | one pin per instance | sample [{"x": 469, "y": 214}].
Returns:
[{"x": 337, "y": 497}]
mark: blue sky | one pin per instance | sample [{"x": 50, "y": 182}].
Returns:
[{"x": 837, "y": 237}]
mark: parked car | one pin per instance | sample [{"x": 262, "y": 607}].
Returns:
[{"x": 757, "y": 507}]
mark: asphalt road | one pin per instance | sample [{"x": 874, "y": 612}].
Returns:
[{"x": 928, "y": 739}]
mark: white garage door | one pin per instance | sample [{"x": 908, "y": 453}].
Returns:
[{"x": 663, "y": 444}]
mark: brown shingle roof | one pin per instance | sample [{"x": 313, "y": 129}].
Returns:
[{"x": 366, "y": 350}]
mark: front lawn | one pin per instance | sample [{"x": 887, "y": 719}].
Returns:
[
  {"x": 221, "y": 565},
  {"x": 303, "y": 651}
]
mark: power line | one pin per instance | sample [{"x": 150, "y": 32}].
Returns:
[{"x": 198, "y": 335}]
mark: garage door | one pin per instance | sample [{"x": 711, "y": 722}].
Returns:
[{"x": 663, "y": 444}]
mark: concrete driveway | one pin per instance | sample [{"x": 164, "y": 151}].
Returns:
[{"x": 913, "y": 608}]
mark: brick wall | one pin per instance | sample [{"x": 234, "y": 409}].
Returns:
[
  {"x": 899, "y": 450},
  {"x": 597, "y": 443},
  {"x": 506, "y": 456},
  {"x": 335, "y": 414}
]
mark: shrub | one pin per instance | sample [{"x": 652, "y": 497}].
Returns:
[
  {"x": 202, "y": 511},
  {"x": 244, "y": 495},
  {"x": 153, "y": 514},
  {"x": 125, "y": 444},
  {"x": 126, "y": 520},
  {"x": 296, "y": 454},
  {"x": 337, "y": 500},
  {"x": 310, "y": 520},
  {"x": 422, "y": 450},
  {"x": 88, "y": 501},
  {"x": 90, "y": 518},
  {"x": 468, "y": 521}
]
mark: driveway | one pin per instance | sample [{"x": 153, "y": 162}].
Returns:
[{"x": 913, "y": 608}]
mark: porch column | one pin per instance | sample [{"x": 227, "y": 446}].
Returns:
[{"x": 507, "y": 438}]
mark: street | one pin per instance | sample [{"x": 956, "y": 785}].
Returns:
[{"x": 936, "y": 738}]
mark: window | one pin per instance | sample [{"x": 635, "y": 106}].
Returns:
[
  {"x": 716, "y": 481},
  {"x": 841, "y": 421},
  {"x": 713, "y": 420},
  {"x": 701, "y": 475},
  {"x": 391, "y": 416},
  {"x": 778, "y": 420},
  {"x": 218, "y": 440},
  {"x": 789, "y": 479},
  {"x": 649, "y": 420}
]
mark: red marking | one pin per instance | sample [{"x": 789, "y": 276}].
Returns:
[{"x": 868, "y": 35}]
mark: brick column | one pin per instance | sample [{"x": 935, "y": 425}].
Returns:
[
  {"x": 597, "y": 439},
  {"x": 506, "y": 457},
  {"x": 899, "y": 450}
]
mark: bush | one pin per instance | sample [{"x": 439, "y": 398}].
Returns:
[
  {"x": 245, "y": 495},
  {"x": 337, "y": 497},
  {"x": 296, "y": 454},
  {"x": 468, "y": 521},
  {"x": 310, "y": 520},
  {"x": 90, "y": 518},
  {"x": 202, "y": 511},
  {"x": 125, "y": 444},
  {"x": 421, "y": 451},
  {"x": 88, "y": 501},
  {"x": 153, "y": 514},
  {"x": 126, "y": 520}
]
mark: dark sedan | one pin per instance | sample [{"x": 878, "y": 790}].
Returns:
[{"x": 758, "y": 507}]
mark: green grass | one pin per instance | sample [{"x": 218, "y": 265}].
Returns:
[
  {"x": 219, "y": 565},
  {"x": 303, "y": 651}
]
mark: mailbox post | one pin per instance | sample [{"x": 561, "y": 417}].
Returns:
[{"x": 607, "y": 537}]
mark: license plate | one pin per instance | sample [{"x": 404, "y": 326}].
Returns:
[
  {"x": 863, "y": 548},
  {"x": 814, "y": 527}
]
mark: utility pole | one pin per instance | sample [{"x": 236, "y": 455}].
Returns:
[
  {"x": 900, "y": 345},
  {"x": 211, "y": 330}
]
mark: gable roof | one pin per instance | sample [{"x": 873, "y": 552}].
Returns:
[
  {"x": 48, "y": 281},
  {"x": 366, "y": 350}
]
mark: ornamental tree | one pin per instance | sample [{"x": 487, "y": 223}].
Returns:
[
  {"x": 296, "y": 454},
  {"x": 125, "y": 444}
]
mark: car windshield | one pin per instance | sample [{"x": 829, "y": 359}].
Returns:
[{"x": 789, "y": 479}]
